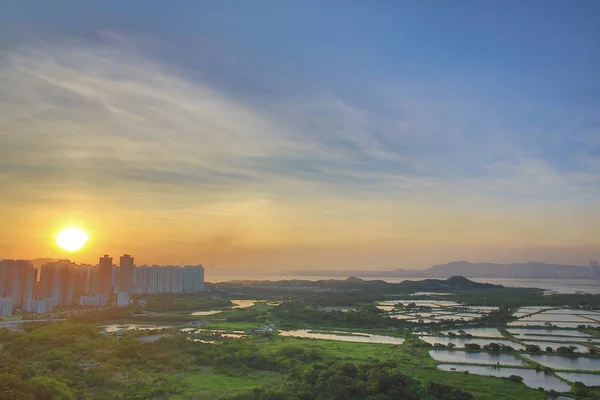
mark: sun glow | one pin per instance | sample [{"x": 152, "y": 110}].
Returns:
[{"x": 71, "y": 239}]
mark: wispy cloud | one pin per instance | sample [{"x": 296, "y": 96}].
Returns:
[{"x": 100, "y": 126}]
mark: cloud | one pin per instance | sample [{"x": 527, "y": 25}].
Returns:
[{"x": 101, "y": 128}]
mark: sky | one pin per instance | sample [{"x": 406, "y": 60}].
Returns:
[{"x": 274, "y": 135}]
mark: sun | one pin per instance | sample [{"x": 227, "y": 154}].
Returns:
[{"x": 71, "y": 239}]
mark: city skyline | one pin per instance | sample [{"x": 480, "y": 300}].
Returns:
[
  {"x": 66, "y": 283},
  {"x": 382, "y": 136}
]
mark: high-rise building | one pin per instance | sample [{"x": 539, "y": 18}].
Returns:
[
  {"x": 193, "y": 278},
  {"x": 123, "y": 298},
  {"x": 17, "y": 282},
  {"x": 125, "y": 281},
  {"x": 153, "y": 280},
  {"x": 168, "y": 279},
  {"x": 94, "y": 300},
  {"x": 57, "y": 281},
  {"x": 103, "y": 275},
  {"x": 6, "y": 307},
  {"x": 40, "y": 306},
  {"x": 141, "y": 279},
  {"x": 82, "y": 279}
]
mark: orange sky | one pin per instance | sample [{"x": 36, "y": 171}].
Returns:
[{"x": 172, "y": 169}]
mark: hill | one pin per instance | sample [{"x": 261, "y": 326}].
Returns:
[
  {"x": 516, "y": 270},
  {"x": 471, "y": 270}
]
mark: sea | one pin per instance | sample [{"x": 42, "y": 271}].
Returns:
[{"x": 566, "y": 286}]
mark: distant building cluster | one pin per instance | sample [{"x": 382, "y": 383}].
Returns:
[
  {"x": 17, "y": 285},
  {"x": 63, "y": 283},
  {"x": 169, "y": 279},
  {"x": 594, "y": 269}
]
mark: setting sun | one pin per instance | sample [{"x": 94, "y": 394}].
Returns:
[{"x": 71, "y": 239}]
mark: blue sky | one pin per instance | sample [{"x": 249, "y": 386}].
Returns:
[{"x": 290, "y": 119}]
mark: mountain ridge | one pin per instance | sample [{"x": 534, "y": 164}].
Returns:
[{"x": 530, "y": 269}]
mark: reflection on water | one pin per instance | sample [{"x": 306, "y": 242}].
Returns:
[
  {"x": 343, "y": 337},
  {"x": 401, "y": 316},
  {"x": 460, "y": 342},
  {"x": 342, "y": 309},
  {"x": 420, "y": 303},
  {"x": 132, "y": 327},
  {"x": 557, "y": 332},
  {"x": 430, "y": 294},
  {"x": 564, "y": 362},
  {"x": 586, "y": 379},
  {"x": 205, "y": 313},
  {"x": 572, "y": 311},
  {"x": 237, "y": 304},
  {"x": 563, "y": 339},
  {"x": 559, "y": 324},
  {"x": 204, "y": 341},
  {"x": 475, "y": 358},
  {"x": 218, "y": 333},
  {"x": 481, "y": 332},
  {"x": 531, "y": 377},
  {"x": 543, "y": 317},
  {"x": 554, "y": 345}
]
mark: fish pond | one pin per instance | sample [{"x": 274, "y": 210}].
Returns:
[
  {"x": 133, "y": 327},
  {"x": 343, "y": 336},
  {"x": 460, "y": 342},
  {"x": 565, "y": 362},
  {"x": 464, "y": 357},
  {"x": 586, "y": 379},
  {"x": 552, "y": 332},
  {"x": 531, "y": 377},
  {"x": 579, "y": 348},
  {"x": 479, "y": 332}
]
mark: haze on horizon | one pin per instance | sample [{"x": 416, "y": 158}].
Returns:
[{"x": 286, "y": 135}]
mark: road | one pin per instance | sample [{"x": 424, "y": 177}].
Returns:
[{"x": 10, "y": 323}]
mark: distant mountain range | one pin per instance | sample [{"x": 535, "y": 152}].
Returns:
[
  {"x": 352, "y": 284},
  {"x": 454, "y": 268},
  {"x": 475, "y": 270}
]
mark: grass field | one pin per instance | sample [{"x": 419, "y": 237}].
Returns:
[
  {"x": 208, "y": 385},
  {"x": 412, "y": 360},
  {"x": 230, "y": 326},
  {"x": 415, "y": 362}
]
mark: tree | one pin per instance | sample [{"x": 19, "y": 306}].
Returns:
[
  {"x": 493, "y": 347},
  {"x": 13, "y": 388},
  {"x": 472, "y": 346},
  {"x": 46, "y": 388},
  {"x": 580, "y": 389},
  {"x": 565, "y": 350},
  {"x": 441, "y": 391},
  {"x": 533, "y": 348}
]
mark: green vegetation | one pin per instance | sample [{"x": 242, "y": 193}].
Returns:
[
  {"x": 194, "y": 302},
  {"x": 77, "y": 362},
  {"x": 210, "y": 385},
  {"x": 73, "y": 360}
]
